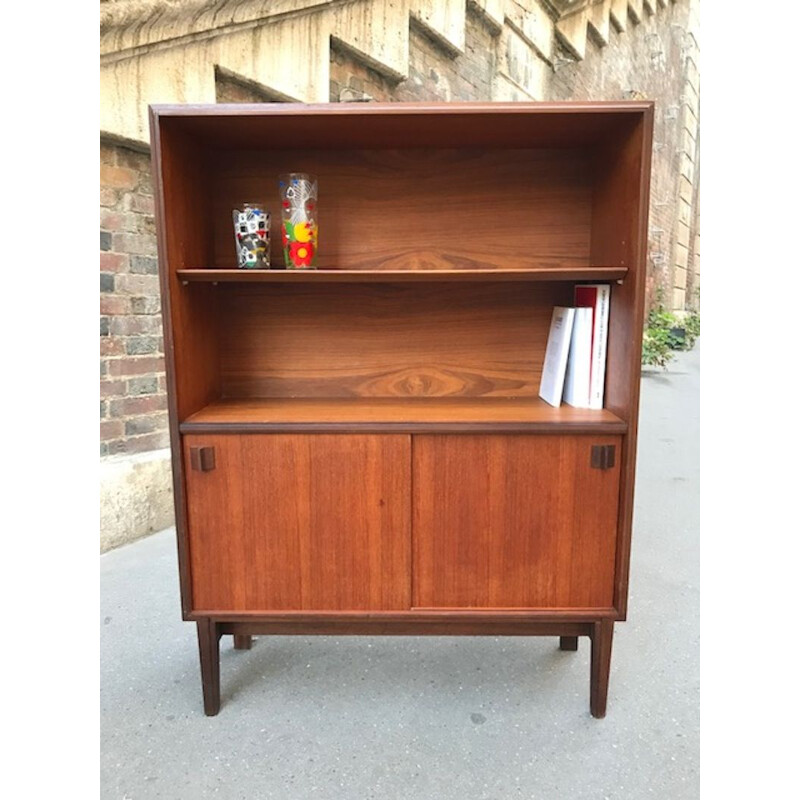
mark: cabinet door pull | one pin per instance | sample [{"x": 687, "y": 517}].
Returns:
[
  {"x": 603, "y": 456},
  {"x": 202, "y": 458}
]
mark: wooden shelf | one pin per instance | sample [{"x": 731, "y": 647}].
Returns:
[
  {"x": 400, "y": 276},
  {"x": 435, "y": 414}
]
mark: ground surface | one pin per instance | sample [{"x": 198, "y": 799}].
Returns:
[{"x": 433, "y": 718}]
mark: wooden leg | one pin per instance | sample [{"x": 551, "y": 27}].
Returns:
[
  {"x": 568, "y": 643},
  {"x": 602, "y": 636},
  {"x": 242, "y": 641},
  {"x": 208, "y": 641}
]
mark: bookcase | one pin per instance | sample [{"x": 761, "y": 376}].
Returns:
[{"x": 361, "y": 449}]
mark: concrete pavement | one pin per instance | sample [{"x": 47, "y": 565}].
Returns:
[{"x": 434, "y": 718}]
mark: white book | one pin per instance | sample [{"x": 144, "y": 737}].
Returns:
[
  {"x": 596, "y": 296},
  {"x": 555, "y": 358},
  {"x": 577, "y": 384}
]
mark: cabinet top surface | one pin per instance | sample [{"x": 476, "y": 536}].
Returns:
[
  {"x": 401, "y": 125},
  {"x": 397, "y": 109}
]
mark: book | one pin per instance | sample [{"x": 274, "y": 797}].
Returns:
[
  {"x": 577, "y": 383},
  {"x": 554, "y": 369},
  {"x": 597, "y": 297}
]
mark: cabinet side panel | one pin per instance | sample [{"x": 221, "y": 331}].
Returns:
[
  {"x": 190, "y": 350},
  {"x": 300, "y": 522},
  {"x": 187, "y": 240},
  {"x": 512, "y": 522},
  {"x": 619, "y": 237}
]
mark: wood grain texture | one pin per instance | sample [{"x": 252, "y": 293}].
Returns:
[
  {"x": 190, "y": 359},
  {"x": 421, "y": 209},
  {"x": 191, "y": 332},
  {"x": 494, "y": 414},
  {"x": 418, "y": 615},
  {"x": 602, "y": 638},
  {"x": 514, "y": 521},
  {"x": 335, "y": 275},
  {"x": 619, "y": 236},
  {"x": 301, "y": 522},
  {"x": 208, "y": 634},
  {"x": 364, "y": 626},
  {"x": 392, "y": 125},
  {"x": 389, "y": 340}
]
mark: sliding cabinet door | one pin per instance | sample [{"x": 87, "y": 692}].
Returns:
[{"x": 513, "y": 521}]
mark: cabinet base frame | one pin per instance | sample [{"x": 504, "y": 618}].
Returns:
[{"x": 210, "y": 629}]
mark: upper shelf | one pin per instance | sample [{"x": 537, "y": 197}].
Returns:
[{"x": 400, "y": 276}]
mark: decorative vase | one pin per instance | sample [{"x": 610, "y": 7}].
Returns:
[
  {"x": 299, "y": 228},
  {"x": 251, "y": 228}
]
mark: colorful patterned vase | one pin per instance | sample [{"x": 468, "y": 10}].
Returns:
[
  {"x": 299, "y": 229},
  {"x": 251, "y": 228}
]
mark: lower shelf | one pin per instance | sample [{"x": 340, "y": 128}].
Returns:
[{"x": 430, "y": 414}]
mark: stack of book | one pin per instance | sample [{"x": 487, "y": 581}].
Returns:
[{"x": 575, "y": 359}]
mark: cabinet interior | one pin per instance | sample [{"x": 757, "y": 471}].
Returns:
[{"x": 533, "y": 194}]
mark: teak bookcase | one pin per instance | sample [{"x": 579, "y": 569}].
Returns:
[{"x": 361, "y": 449}]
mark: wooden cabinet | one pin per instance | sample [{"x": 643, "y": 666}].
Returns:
[{"x": 361, "y": 449}]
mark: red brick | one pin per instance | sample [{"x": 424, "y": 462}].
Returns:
[
  {"x": 112, "y": 304},
  {"x": 112, "y": 388},
  {"x": 111, "y": 429},
  {"x": 135, "y": 365},
  {"x": 118, "y": 177},
  {"x": 110, "y": 220},
  {"x": 114, "y": 262},
  {"x": 112, "y": 346},
  {"x": 150, "y": 441},
  {"x": 146, "y": 404}
]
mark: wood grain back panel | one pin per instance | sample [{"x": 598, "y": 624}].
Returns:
[
  {"x": 422, "y": 208},
  {"x": 513, "y": 522},
  {"x": 390, "y": 340},
  {"x": 300, "y": 522}
]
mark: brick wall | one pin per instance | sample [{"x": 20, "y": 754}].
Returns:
[{"x": 133, "y": 401}]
